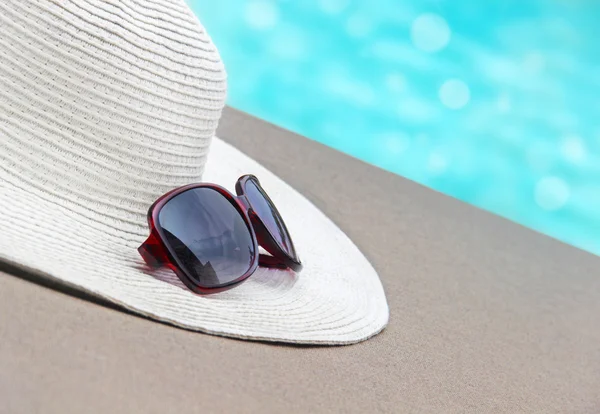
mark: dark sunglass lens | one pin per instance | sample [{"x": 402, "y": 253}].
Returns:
[
  {"x": 266, "y": 211},
  {"x": 207, "y": 236}
]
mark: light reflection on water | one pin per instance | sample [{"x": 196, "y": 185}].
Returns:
[{"x": 495, "y": 103}]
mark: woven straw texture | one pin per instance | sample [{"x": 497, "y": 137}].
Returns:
[{"x": 106, "y": 105}]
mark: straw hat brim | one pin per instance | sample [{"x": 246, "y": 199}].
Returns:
[{"x": 336, "y": 299}]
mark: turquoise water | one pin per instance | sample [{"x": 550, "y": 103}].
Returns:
[{"x": 492, "y": 102}]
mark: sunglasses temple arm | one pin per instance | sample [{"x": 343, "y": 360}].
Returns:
[
  {"x": 152, "y": 251},
  {"x": 264, "y": 260}
]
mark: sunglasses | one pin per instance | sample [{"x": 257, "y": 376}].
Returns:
[{"x": 210, "y": 238}]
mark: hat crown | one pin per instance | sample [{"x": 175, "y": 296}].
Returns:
[{"x": 108, "y": 103}]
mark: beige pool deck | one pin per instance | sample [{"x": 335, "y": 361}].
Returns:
[{"x": 486, "y": 317}]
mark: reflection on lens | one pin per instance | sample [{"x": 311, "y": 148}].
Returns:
[
  {"x": 207, "y": 236},
  {"x": 266, "y": 211}
]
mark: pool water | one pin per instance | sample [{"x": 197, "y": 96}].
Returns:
[{"x": 496, "y": 103}]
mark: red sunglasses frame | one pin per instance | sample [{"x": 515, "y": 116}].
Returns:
[{"x": 155, "y": 252}]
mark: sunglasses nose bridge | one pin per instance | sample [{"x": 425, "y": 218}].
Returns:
[{"x": 243, "y": 202}]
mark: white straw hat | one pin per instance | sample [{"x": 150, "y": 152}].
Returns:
[{"x": 104, "y": 107}]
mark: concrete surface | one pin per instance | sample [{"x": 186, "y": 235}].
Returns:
[{"x": 486, "y": 317}]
